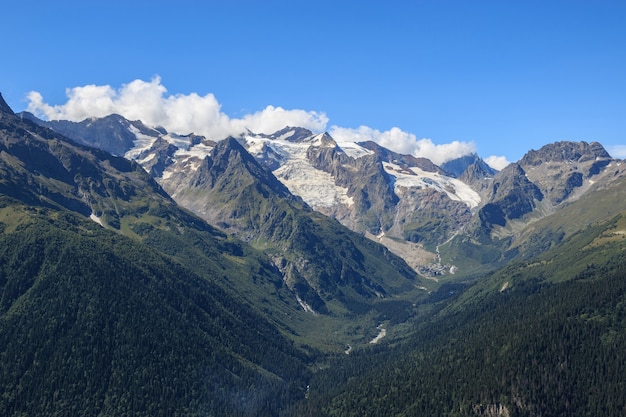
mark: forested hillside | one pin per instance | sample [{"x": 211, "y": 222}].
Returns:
[
  {"x": 93, "y": 323},
  {"x": 541, "y": 344},
  {"x": 114, "y": 300}
]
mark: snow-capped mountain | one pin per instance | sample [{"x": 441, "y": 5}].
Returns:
[
  {"x": 363, "y": 185},
  {"x": 407, "y": 203}
]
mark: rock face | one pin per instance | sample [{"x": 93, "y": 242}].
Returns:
[
  {"x": 320, "y": 259},
  {"x": 4, "y": 107},
  {"x": 158, "y": 157},
  {"x": 512, "y": 196},
  {"x": 543, "y": 180},
  {"x": 112, "y": 133},
  {"x": 121, "y": 291},
  {"x": 560, "y": 168},
  {"x": 468, "y": 166},
  {"x": 409, "y": 203},
  {"x": 366, "y": 182}
]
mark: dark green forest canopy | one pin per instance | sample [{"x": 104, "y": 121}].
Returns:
[
  {"x": 93, "y": 323},
  {"x": 552, "y": 343},
  {"x": 155, "y": 312}
]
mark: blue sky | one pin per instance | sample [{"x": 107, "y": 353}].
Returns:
[{"x": 496, "y": 77}]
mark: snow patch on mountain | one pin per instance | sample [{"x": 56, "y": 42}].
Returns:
[
  {"x": 185, "y": 163},
  {"x": 317, "y": 188},
  {"x": 305, "y": 306},
  {"x": 142, "y": 143},
  {"x": 198, "y": 151},
  {"x": 181, "y": 142},
  {"x": 255, "y": 145},
  {"x": 321, "y": 139},
  {"x": 354, "y": 150},
  {"x": 286, "y": 135},
  {"x": 147, "y": 159},
  {"x": 416, "y": 177},
  {"x": 382, "y": 332}
]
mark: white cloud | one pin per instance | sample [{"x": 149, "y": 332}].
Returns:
[
  {"x": 272, "y": 119},
  {"x": 617, "y": 151},
  {"x": 405, "y": 143},
  {"x": 497, "y": 162},
  {"x": 150, "y": 103}
]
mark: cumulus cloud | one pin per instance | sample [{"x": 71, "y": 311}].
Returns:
[
  {"x": 272, "y": 119},
  {"x": 181, "y": 113},
  {"x": 406, "y": 143},
  {"x": 497, "y": 162},
  {"x": 150, "y": 102}
]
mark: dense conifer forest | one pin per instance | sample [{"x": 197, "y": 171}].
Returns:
[
  {"x": 93, "y": 323},
  {"x": 539, "y": 348},
  {"x": 114, "y": 301}
]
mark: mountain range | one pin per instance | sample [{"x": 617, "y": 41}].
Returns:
[
  {"x": 147, "y": 272},
  {"x": 435, "y": 218}
]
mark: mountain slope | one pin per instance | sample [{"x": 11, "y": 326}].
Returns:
[
  {"x": 120, "y": 195},
  {"x": 370, "y": 189},
  {"x": 93, "y": 322},
  {"x": 463, "y": 219},
  {"x": 543, "y": 337},
  {"x": 112, "y": 133},
  {"x": 321, "y": 260},
  {"x": 528, "y": 206},
  {"x": 178, "y": 300}
]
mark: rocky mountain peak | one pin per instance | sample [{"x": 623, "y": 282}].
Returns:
[
  {"x": 513, "y": 195},
  {"x": 385, "y": 155},
  {"x": 229, "y": 148},
  {"x": 565, "y": 152},
  {"x": 325, "y": 140},
  {"x": 219, "y": 161},
  {"x": 290, "y": 133},
  {"x": 229, "y": 159},
  {"x": 457, "y": 167},
  {"x": 112, "y": 133},
  {"x": 560, "y": 168},
  {"x": 158, "y": 157},
  {"x": 4, "y": 107},
  {"x": 476, "y": 174}
]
